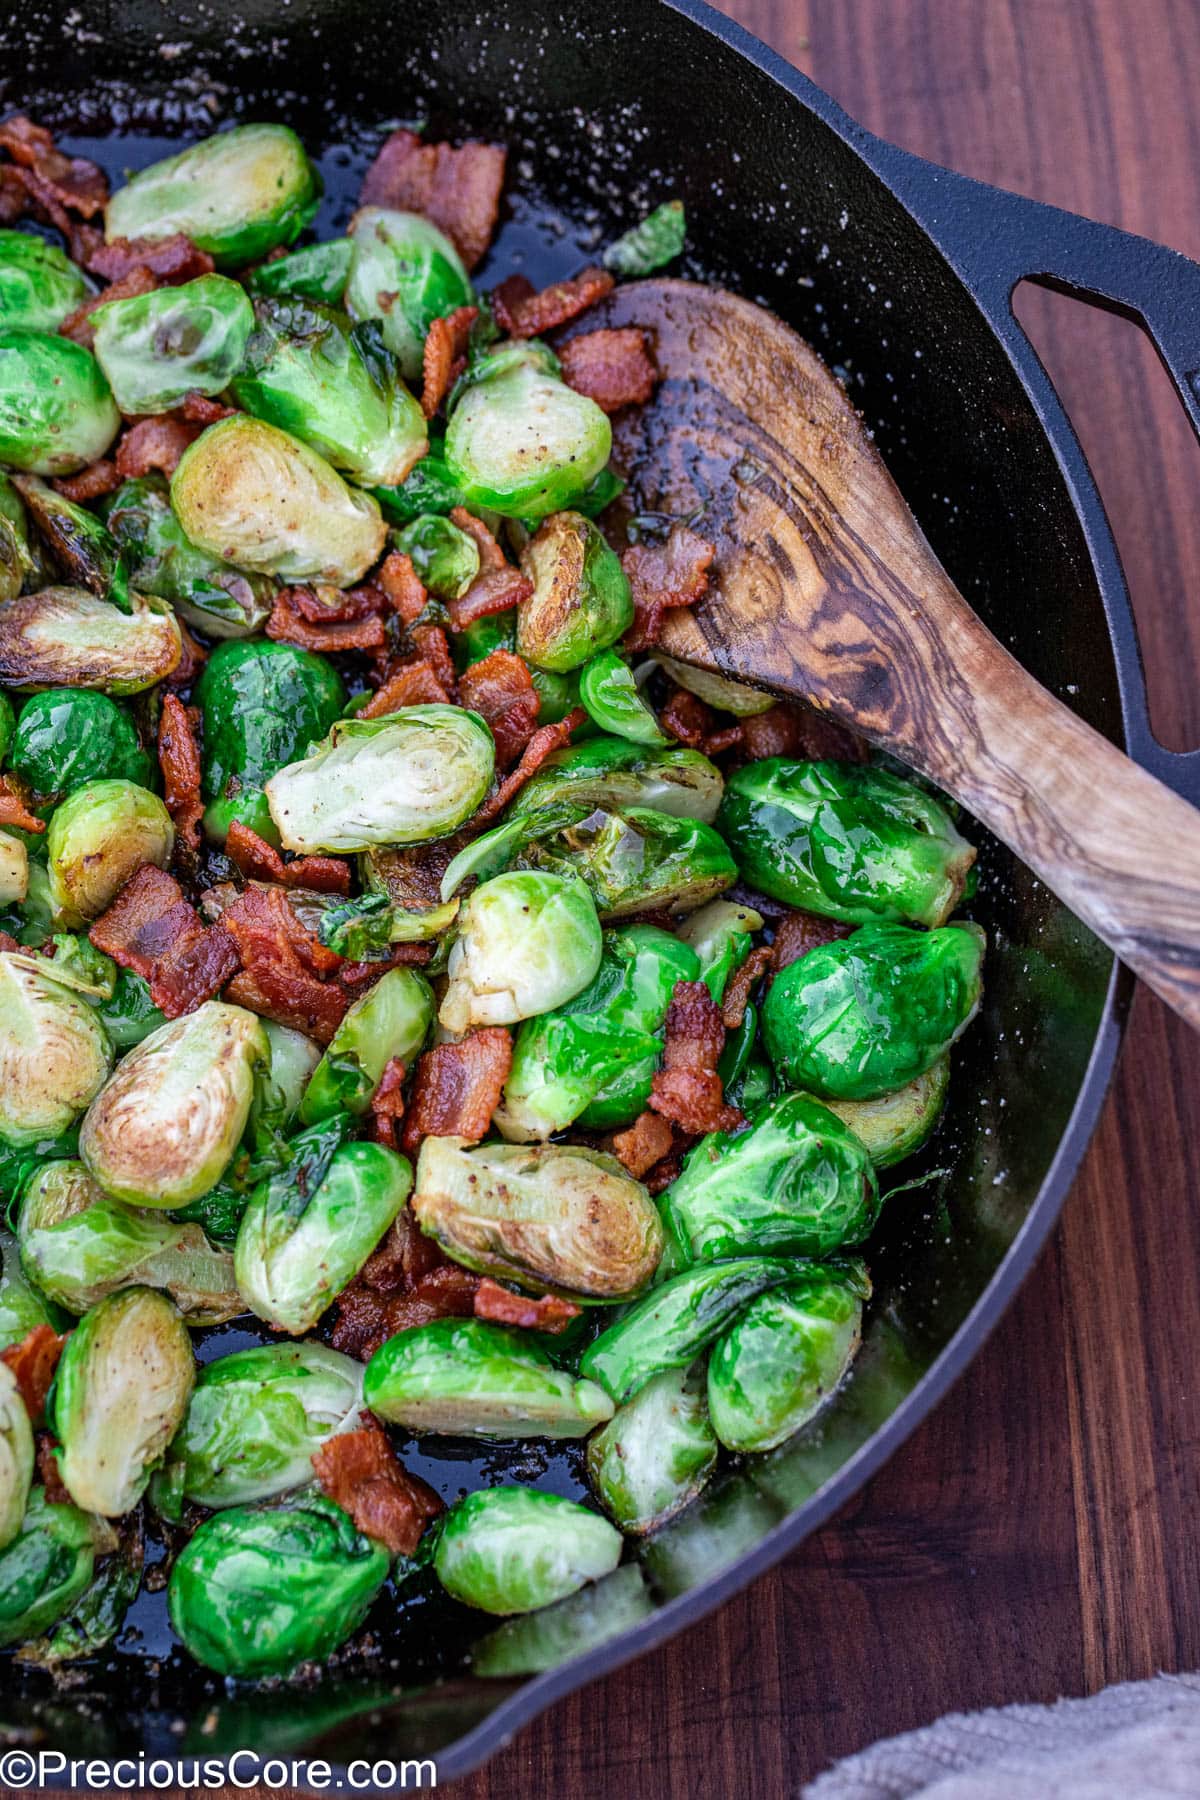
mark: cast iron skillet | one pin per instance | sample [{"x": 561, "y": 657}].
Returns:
[{"x": 901, "y": 275}]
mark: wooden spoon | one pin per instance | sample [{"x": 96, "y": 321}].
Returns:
[{"x": 825, "y": 590}]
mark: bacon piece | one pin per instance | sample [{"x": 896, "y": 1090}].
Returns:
[
  {"x": 687, "y": 1089},
  {"x": 544, "y": 742},
  {"x": 491, "y": 556},
  {"x": 151, "y": 929},
  {"x": 192, "y": 659},
  {"x": 173, "y": 259},
  {"x": 287, "y": 626},
  {"x": 407, "y": 1281},
  {"x": 92, "y": 483},
  {"x": 47, "y": 1468},
  {"x": 33, "y": 1362},
  {"x": 737, "y": 993},
  {"x": 197, "y": 409},
  {"x": 446, "y": 347},
  {"x": 399, "y": 956},
  {"x": 282, "y": 965},
  {"x": 337, "y": 606},
  {"x": 799, "y": 731},
  {"x": 503, "y": 1307},
  {"x": 8, "y": 943},
  {"x": 643, "y": 1143},
  {"x": 78, "y": 325},
  {"x": 387, "y": 1103},
  {"x": 361, "y": 1472},
  {"x": 156, "y": 442},
  {"x": 457, "y": 1088},
  {"x": 694, "y": 723},
  {"x": 55, "y": 185},
  {"x": 13, "y": 807},
  {"x": 493, "y": 591},
  {"x": 430, "y": 643},
  {"x": 13, "y": 194},
  {"x": 259, "y": 861},
  {"x": 668, "y": 1170},
  {"x": 402, "y": 587},
  {"x": 179, "y": 760},
  {"x": 458, "y": 189},
  {"x": 799, "y": 932},
  {"x": 524, "y": 313},
  {"x": 613, "y": 367},
  {"x": 664, "y": 576},
  {"x": 403, "y": 1259},
  {"x": 412, "y": 684},
  {"x": 500, "y": 688}
]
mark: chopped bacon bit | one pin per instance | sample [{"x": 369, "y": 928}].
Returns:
[
  {"x": 544, "y": 742},
  {"x": 664, "y": 1173},
  {"x": 500, "y": 688},
  {"x": 687, "y": 1089},
  {"x": 13, "y": 195},
  {"x": 54, "y": 185},
  {"x": 402, "y": 587},
  {"x": 503, "y": 1307},
  {"x": 151, "y": 929},
  {"x": 387, "y": 1103},
  {"x": 491, "y": 556},
  {"x": 48, "y": 1469},
  {"x": 156, "y": 442},
  {"x": 92, "y": 483},
  {"x": 78, "y": 325},
  {"x": 799, "y": 932},
  {"x": 197, "y": 409},
  {"x": 8, "y": 943},
  {"x": 457, "y": 1087},
  {"x": 407, "y": 1281},
  {"x": 259, "y": 861},
  {"x": 173, "y": 259},
  {"x": 614, "y": 367},
  {"x": 14, "y": 809},
  {"x": 325, "y": 605},
  {"x": 445, "y": 347},
  {"x": 399, "y": 956},
  {"x": 33, "y": 1362},
  {"x": 430, "y": 643},
  {"x": 282, "y": 965},
  {"x": 191, "y": 661},
  {"x": 694, "y": 723},
  {"x": 403, "y": 1259},
  {"x": 492, "y": 591},
  {"x": 664, "y": 576},
  {"x": 179, "y": 760},
  {"x": 288, "y": 626},
  {"x": 737, "y": 993},
  {"x": 786, "y": 730},
  {"x": 412, "y": 684},
  {"x": 361, "y": 1472},
  {"x": 526, "y": 314},
  {"x": 643, "y": 1143},
  {"x": 459, "y": 190}
]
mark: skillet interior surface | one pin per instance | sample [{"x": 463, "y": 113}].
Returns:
[{"x": 606, "y": 111}]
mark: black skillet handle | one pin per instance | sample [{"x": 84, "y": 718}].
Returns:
[{"x": 996, "y": 239}]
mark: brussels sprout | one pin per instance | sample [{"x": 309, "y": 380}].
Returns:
[
  {"x": 221, "y": 600},
  {"x": 654, "y": 1457},
  {"x": 637, "y": 860},
  {"x": 513, "y": 1549},
  {"x": 157, "y": 348},
  {"x": 93, "y": 1620},
  {"x": 122, "y": 1388},
  {"x": 82, "y": 548},
  {"x": 238, "y": 195},
  {"x": 526, "y": 943},
  {"x": 68, "y": 736},
  {"x": 256, "y": 1418},
  {"x": 613, "y": 773},
  {"x": 468, "y": 1378},
  {"x": 845, "y": 840},
  {"x": 262, "y": 704},
  {"x": 444, "y": 555},
  {"x": 44, "y": 1569},
  {"x": 798, "y": 1183},
  {"x": 129, "y": 1014},
  {"x": 593, "y": 1058},
  {"x": 16, "y": 1451},
  {"x": 258, "y": 1591},
  {"x": 363, "y": 928},
  {"x": 98, "y": 839},
  {"x": 54, "y": 1052},
  {"x": 520, "y": 442},
  {"x": 292, "y": 1060},
  {"x": 14, "y": 869},
  {"x": 255, "y": 496},
  {"x": 613, "y": 701},
  {"x": 864, "y": 1016},
  {"x": 79, "y": 1246},
  {"x": 581, "y": 600},
  {"x": 411, "y": 775},
  {"x": 334, "y": 386},
  {"x": 669, "y": 1327},
  {"x": 532, "y": 1642},
  {"x": 653, "y": 241},
  {"x": 318, "y": 272},
  {"x": 391, "y": 1019},
  {"x": 896, "y": 1124},
  {"x": 39, "y": 285},
  {"x": 716, "y": 690},
  {"x": 66, "y": 637},
  {"x": 56, "y": 413},
  {"x": 309, "y": 1228},
  {"x": 22, "y": 1308},
  {"x": 405, "y": 273},
  {"x": 720, "y": 935},
  {"x": 429, "y": 489},
  {"x": 19, "y": 561},
  {"x": 164, "y": 1127},
  {"x": 555, "y": 1218}
]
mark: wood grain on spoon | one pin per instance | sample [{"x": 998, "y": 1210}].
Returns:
[{"x": 825, "y": 589}]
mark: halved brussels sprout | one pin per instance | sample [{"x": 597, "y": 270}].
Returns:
[
  {"x": 780, "y": 1362},
  {"x": 613, "y": 700},
  {"x": 526, "y": 943},
  {"x": 255, "y": 496},
  {"x": 54, "y": 1052},
  {"x": 56, "y": 412},
  {"x": 66, "y": 736},
  {"x": 163, "y": 1129},
  {"x": 120, "y": 1394},
  {"x": 257, "y": 1591},
  {"x": 44, "y": 1569},
  {"x": 513, "y": 1549},
  {"x": 405, "y": 273},
  {"x": 93, "y": 1620},
  {"x": 656, "y": 1454},
  {"x": 238, "y": 195},
  {"x": 334, "y": 386},
  {"x": 638, "y": 861},
  {"x": 864, "y": 1016},
  {"x": 97, "y": 840},
  {"x": 82, "y": 548},
  {"x": 613, "y": 773},
  {"x": 14, "y": 869},
  {"x": 444, "y": 555},
  {"x": 39, "y": 285},
  {"x": 556, "y": 1218},
  {"x": 653, "y": 241},
  {"x": 414, "y": 774},
  {"x": 66, "y": 637},
  {"x": 129, "y": 1013},
  {"x": 16, "y": 1451},
  {"x": 720, "y": 934},
  {"x": 22, "y": 1307},
  {"x": 716, "y": 690},
  {"x": 80, "y": 1246},
  {"x": 581, "y": 600},
  {"x": 280, "y": 1088},
  {"x": 318, "y": 272},
  {"x": 362, "y": 929},
  {"x": 531, "y": 1642},
  {"x": 222, "y": 601},
  {"x": 391, "y": 1019},
  {"x": 19, "y": 562},
  {"x": 896, "y": 1124},
  {"x": 157, "y": 348}
]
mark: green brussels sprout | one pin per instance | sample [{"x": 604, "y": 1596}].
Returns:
[
  {"x": 129, "y": 1014},
  {"x": 896, "y": 1124},
  {"x": 54, "y": 1052},
  {"x": 20, "y": 562},
  {"x": 469, "y": 1378},
  {"x": 255, "y": 496},
  {"x": 531, "y": 1642},
  {"x": 318, "y": 272},
  {"x": 39, "y": 285},
  {"x": 256, "y": 1418},
  {"x": 334, "y": 386},
  {"x": 845, "y": 840},
  {"x": 613, "y": 773},
  {"x": 870, "y": 1013},
  {"x": 655, "y": 240},
  {"x": 79, "y": 1246},
  {"x": 66, "y": 637},
  {"x": 238, "y": 195},
  {"x": 68, "y": 736},
  {"x": 360, "y": 929},
  {"x": 164, "y": 1127},
  {"x": 444, "y": 555},
  {"x": 97, "y": 840},
  {"x": 44, "y": 1569},
  {"x": 56, "y": 412},
  {"x": 637, "y": 860},
  {"x": 613, "y": 700},
  {"x": 720, "y": 934},
  {"x": 156, "y": 348},
  {"x": 716, "y": 690},
  {"x": 309, "y": 1228},
  {"x": 669, "y": 1327},
  {"x": 513, "y": 1549},
  {"x": 22, "y": 1308},
  {"x": 81, "y": 546},
  {"x": 593, "y": 1058},
  {"x": 556, "y": 1218},
  {"x": 391, "y": 1019},
  {"x": 292, "y": 1059},
  {"x": 526, "y": 942},
  {"x": 430, "y": 488},
  {"x": 414, "y": 774},
  {"x": 656, "y": 1454},
  {"x": 581, "y": 600},
  {"x": 797, "y": 1183},
  {"x": 16, "y": 1449},
  {"x": 120, "y": 1394},
  {"x": 262, "y": 704},
  {"x": 405, "y": 273},
  {"x": 14, "y": 869},
  {"x": 93, "y": 1620},
  {"x": 520, "y": 441},
  {"x": 257, "y": 1591},
  {"x": 220, "y": 600}
]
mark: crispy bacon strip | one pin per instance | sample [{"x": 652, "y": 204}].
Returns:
[
  {"x": 387, "y": 1103},
  {"x": 612, "y": 367},
  {"x": 741, "y": 984},
  {"x": 151, "y": 929},
  {"x": 544, "y": 742},
  {"x": 355, "y": 975},
  {"x": 430, "y": 643},
  {"x": 361, "y": 1472},
  {"x": 197, "y": 409},
  {"x": 13, "y": 807},
  {"x": 458, "y": 189},
  {"x": 402, "y": 587},
  {"x": 457, "y": 1088},
  {"x": 500, "y": 688},
  {"x": 664, "y": 576},
  {"x": 282, "y": 965},
  {"x": 643, "y": 1143},
  {"x": 491, "y": 556},
  {"x": 173, "y": 259},
  {"x": 33, "y": 1362},
  {"x": 260, "y": 861},
  {"x": 97, "y": 479},
  {"x": 192, "y": 659},
  {"x": 287, "y": 625},
  {"x": 407, "y": 1281},
  {"x": 78, "y": 325},
  {"x": 52, "y": 185},
  {"x": 687, "y": 1089},
  {"x": 325, "y": 605},
  {"x": 786, "y": 730},
  {"x": 496, "y": 588},
  {"x": 156, "y": 442},
  {"x": 412, "y": 684},
  {"x": 799, "y": 932},
  {"x": 694, "y": 723},
  {"x": 445, "y": 352},
  {"x": 47, "y": 1468},
  {"x": 525, "y": 313},
  {"x": 179, "y": 760},
  {"x": 503, "y": 1307}
]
